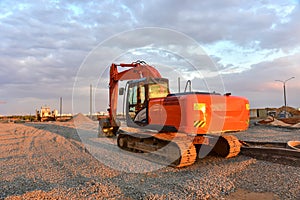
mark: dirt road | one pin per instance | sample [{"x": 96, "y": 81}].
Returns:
[{"x": 49, "y": 160}]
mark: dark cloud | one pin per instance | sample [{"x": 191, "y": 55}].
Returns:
[{"x": 44, "y": 43}]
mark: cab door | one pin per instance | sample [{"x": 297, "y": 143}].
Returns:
[{"x": 136, "y": 108}]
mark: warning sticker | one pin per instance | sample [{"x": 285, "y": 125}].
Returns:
[
  {"x": 247, "y": 106},
  {"x": 200, "y": 106},
  {"x": 199, "y": 123}
]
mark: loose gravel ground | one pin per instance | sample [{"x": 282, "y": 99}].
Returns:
[
  {"x": 267, "y": 133},
  {"x": 50, "y": 161}
]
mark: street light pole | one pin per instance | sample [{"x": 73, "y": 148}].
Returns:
[{"x": 284, "y": 93}]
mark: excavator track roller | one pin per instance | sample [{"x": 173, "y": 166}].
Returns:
[
  {"x": 228, "y": 146},
  {"x": 176, "y": 153}
]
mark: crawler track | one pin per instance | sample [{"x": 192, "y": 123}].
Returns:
[
  {"x": 174, "y": 149},
  {"x": 166, "y": 149},
  {"x": 271, "y": 151},
  {"x": 228, "y": 146}
]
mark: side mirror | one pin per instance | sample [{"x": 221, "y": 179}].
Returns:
[{"x": 121, "y": 91}]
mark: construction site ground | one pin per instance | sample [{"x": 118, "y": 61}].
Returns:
[{"x": 51, "y": 160}]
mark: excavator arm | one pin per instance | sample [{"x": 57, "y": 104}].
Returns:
[{"x": 137, "y": 70}]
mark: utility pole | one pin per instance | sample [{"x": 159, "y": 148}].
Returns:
[
  {"x": 178, "y": 84},
  {"x": 284, "y": 93},
  {"x": 91, "y": 106},
  {"x": 60, "y": 107}
]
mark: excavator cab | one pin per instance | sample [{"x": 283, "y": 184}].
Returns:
[{"x": 139, "y": 92}]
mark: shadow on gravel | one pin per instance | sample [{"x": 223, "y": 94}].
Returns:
[
  {"x": 66, "y": 132},
  {"x": 294, "y": 162},
  {"x": 87, "y": 137},
  {"x": 22, "y": 185}
]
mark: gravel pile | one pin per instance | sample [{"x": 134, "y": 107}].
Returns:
[
  {"x": 290, "y": 122},
  {"x": 80, "y": 118},
  {"x": 48, "y": 161}
]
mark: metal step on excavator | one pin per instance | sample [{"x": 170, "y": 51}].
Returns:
[{"x": 174, "y": 128}]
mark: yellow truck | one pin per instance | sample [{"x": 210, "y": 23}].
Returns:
[{"x": 45, "y": 114}]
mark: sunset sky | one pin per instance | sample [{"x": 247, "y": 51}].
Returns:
[{"x": 52, "y": 49}]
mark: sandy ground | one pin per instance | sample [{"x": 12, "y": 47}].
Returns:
[{"x": 66, "y": 160}]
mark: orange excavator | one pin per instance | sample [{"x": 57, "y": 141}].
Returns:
[{"x": 174, "y": 127}]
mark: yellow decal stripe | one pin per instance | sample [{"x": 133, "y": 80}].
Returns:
[
  {"x": 200, "y": 106},
  {"x": 202, "y": 124},
  {"x": 247, "y": 106},
  {"x": 198, "y": 124}
]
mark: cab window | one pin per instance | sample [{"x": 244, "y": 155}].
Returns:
[{"x": 158, "y": 90}]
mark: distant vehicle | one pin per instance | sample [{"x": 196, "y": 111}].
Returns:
[
  {"x": 45, "y": 114},
  {"x": 284, "y": 114},
  {"x": 272, "y": 113}
]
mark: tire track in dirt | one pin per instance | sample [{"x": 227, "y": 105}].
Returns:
[{"x": 41, "y": 159}]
